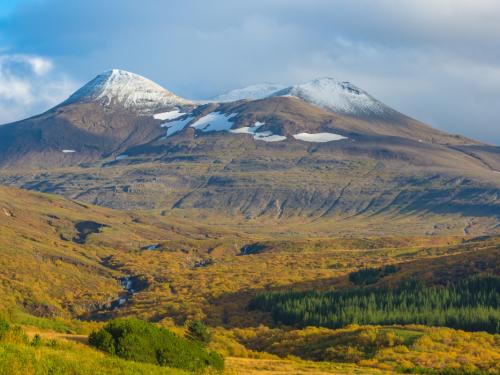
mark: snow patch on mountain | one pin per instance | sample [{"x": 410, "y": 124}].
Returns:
[
  {"x": 68, "y": 151},
  {"x": 214, "y": 122},
  {"x": 269, "y": 138},
  {"x": 253, "y": 92},
  {"x": 336, "y": 96},
  {"x": 249, "y": 129},
  {"x": 266, "y": 136},
  {"x": 217, "y": 122},
  {"x": 318, "y": 137},
  {"x": 176, "y": 126},
  {"x": 170, "y": 115},
  {"x": 129, "y": 90}
]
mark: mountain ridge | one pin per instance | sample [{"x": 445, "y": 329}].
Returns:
[
  {"x": 281, "y": 157},
  {"x": 325, "y": 92},
  {"x": 252, "y": 92},
  {"x": 336, "y": 96}
]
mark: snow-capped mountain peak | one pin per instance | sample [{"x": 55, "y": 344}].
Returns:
[
  {"x": 327, "y": 93},
  {"x": 126, "y": 89},
  {"x": 337, "y": 96}
]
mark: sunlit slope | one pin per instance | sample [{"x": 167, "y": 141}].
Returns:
[
  {"x": 56, "y": 263},
  {"x": 54, "y": 252}
]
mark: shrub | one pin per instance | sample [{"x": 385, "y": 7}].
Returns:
[
  {"x": 369, "y": 276},
  {"x": 12, "y": 334},
  {"x": 37, "y": 341},
  {"x": 198, "y": 332},
  {"x": 365, "y": 276},
  {"x": 4, "y": 327},
  {"x": 344, "y": 353},
  {"x": 144, "y": 342},
  {"x": 102, "y": 340}
]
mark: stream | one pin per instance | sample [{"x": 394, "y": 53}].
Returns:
[{"x": 130, "y": 285}]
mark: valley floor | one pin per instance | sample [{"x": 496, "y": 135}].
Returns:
[{"x": 63, "y": 263}]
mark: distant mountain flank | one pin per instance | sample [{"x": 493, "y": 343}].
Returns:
[
  {"x": 120, "y": 110},
  {"x": 317, "y": 150}
]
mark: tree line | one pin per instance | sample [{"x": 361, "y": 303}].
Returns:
[{"x": 471, "y": 304}]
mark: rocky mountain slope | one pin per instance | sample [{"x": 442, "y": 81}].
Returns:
[
  {"x": 318, "y": 151},
  {"x": 113, "y": 111}
]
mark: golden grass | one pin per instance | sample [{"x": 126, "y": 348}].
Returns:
[
  {"x": 380, "y": 347},
  {"x": 44, "y": 272},
  {"x": 64, "y": 354},
  {"x": 251, "y": 366},
  {"x": 70, "y": 346}
]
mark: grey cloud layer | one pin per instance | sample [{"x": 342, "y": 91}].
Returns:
[{"x": 438, "y": 60}]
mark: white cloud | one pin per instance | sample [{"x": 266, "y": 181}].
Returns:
[
  {"x": 40, "y": 65},
  {"x": 28, "y": 86}
]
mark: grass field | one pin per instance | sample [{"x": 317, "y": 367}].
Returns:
[
  {"x": 66, "y": 354},
  {"x": 353, "y": 350}
]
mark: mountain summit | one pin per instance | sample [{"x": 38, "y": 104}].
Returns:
[
  {"x": 253, "y": 92},
  {"x": 128, "y": 90},
  {"x": 326, "y": 93},
  {"x": 336, "y": 96}
]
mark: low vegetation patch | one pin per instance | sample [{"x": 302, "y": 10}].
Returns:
[
  {"x": 369, "y": 276},
  {"x": 86, "y": 228},
  {"x": 39, "y": 356},
  {"x": 144, "y": 342},
  {"x": 405, "y": 349},
  {"x": 472, "y": 304}
]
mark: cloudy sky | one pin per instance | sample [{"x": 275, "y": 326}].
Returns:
[{"x": 436, "y": 60}]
